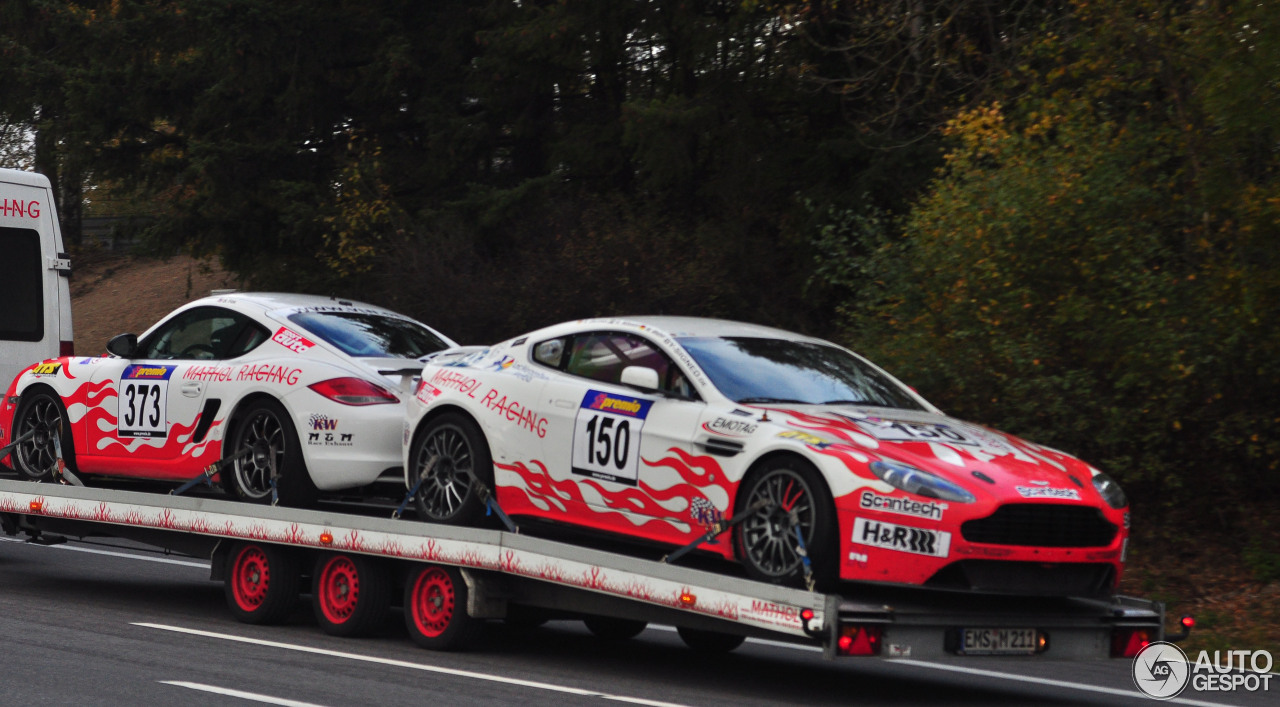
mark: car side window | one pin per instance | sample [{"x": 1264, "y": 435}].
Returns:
[
  {"x": 602, "y": 356},
  {"x": 203, "y": 334}
]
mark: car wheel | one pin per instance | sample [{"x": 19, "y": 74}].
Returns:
[
  {"x": 435, "y": 609},
  {"x": 446, "y": 493},
  {"x": 262, "y": 583},
  {"x": 265, "y": 429},
  {"x": 611, "y": 629},
  {"x": 41, "y": 412},
  {"x": 351, "y": 594},
  {"x": 709, "y": 641},
  {"x": 767, "y": 544}
]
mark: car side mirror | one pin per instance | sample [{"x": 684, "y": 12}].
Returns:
[
  {"x": 123, "y": 345},
  {"x": 640, "y": 377}
]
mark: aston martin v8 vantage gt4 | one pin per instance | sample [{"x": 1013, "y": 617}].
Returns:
[
  {"x": 660, "y": 428},
  {"x": 300, "y": 392}
]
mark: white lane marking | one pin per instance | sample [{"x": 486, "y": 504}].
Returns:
[
  {"x": 756, "y": 641},
  {"x": 984, "y": 673},
  {"x": 129, "y": 555},
  {"x": 268, "y": 699},
  {"x": 414, "y": 666},
  {"x": 1048, "y": 681}
]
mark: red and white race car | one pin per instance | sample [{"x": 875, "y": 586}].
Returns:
[
  {"x": 306, "y": 385},
  {"x": 660, "y": 428}
]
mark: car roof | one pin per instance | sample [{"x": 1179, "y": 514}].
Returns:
[
  {"x": 286, "y": 300},
  {"x": 694, "y": 327}
]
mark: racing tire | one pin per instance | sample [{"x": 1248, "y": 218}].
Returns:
[
  {"x": 262, "y": 583},
  {"x": 447, "y": 494},
  {"x": 435, "y": 609},
  {"x": 265, "y": 427},
  {"x": 709, "y": 641},
  {"x": 610, "y": 629},
  {"x": 766, "y": 544},
  {"x": 351, "y": 594},
  {"x": 35, "y": 459}
]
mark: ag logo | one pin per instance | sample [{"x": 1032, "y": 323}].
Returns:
[{"x": 1161, "y": 670}]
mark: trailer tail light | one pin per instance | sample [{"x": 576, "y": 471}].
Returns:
[
  {"x": 354, "y": 391},
  {"x": 1128, "y": 642},
  {"x": 326, "y": 538},
  {"x": 688, "y": 600},
  {"x": 37, "y": 506},
  {"x": 66, "y": 348},
  {"x": 859, "y": 640}
]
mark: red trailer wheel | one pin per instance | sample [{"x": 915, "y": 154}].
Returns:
[
  {"x": 435, "y": 608},
  {"x": 262, "y": 584},
  {"x": 350, "y": 594}
]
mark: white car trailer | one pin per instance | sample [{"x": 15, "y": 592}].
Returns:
[{"x": 449, "y": 578}]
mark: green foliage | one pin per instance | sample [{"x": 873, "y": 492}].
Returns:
[{"x": 1088, "y": 268}]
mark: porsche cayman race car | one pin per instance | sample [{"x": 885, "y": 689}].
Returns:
[
  {"x": 304, "y": 387},
  {"x": 662, "y": 428}
]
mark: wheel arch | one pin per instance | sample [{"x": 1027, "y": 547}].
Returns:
[
  {"x": 68, "y": 450},
  {"x": 435, "y": 412},
  {"x": 756, "y": 468}
]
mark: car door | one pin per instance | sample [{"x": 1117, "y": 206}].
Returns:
[
  {"x": 163, "y": 408},
  {"x": 625, "y": 447}
]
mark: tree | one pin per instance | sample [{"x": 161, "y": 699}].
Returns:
[{"x": 1087, "y": 269}]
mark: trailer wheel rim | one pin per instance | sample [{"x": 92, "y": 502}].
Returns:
[
  {"x": 250, "y": 578},
  {"x": 768, "y": 539},
  {"x": 433, "y": 602},
  {"x": 339, "y": 591},
  {"x": 38, "y": 453},
  {"x": 447, "y": 484},
  {"x": 264, "y": 434}
]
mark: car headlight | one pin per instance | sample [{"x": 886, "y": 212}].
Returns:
[
  {"x": 922, "y": 483},
  {"x": 1110, "y": 490}
]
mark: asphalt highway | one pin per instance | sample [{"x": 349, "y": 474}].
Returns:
[{"x": 91, "y": 623}]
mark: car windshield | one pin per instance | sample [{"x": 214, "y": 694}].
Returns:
[
  {"x": 753, "y": 370},
  {"x": 364, "y": 334}
]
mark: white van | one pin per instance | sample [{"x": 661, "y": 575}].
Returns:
[{"x": 35, "y": 295}]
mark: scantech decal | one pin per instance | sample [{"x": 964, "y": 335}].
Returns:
[
  {"x": 873, "y": 501},
  {"x": 1047, "y": 492},
  {"x": 292, "y": 340},
  {"x": 903, "y": 538}
]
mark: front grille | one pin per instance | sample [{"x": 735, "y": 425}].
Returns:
[{"x": 1041, "y": 525}]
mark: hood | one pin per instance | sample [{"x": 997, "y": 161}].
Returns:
[{"x": 987, "y": 462}]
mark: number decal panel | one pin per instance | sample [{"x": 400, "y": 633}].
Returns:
[
  {"x": 144, "y": 392},
  {"x": 606, "y": 436}
]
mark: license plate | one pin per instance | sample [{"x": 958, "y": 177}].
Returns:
[{"x": 997, "y": 641}]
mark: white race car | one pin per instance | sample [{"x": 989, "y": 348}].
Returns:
[
  {"x": 306, "y": 386},
  {"x": 664, "y": 428}
]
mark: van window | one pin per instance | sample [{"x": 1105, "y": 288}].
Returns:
[{"x": 22, "y": 281}]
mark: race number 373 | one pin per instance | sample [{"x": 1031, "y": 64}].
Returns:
[
  {"x": 606, "y": 436},
  {"x": 144, "y": 390}
]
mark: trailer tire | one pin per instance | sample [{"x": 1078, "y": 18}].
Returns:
[
  {"x": 351, "y": 594},
  {"x": 34, "y": 459},
  {"x": 265, "y": 425},
  {"x": 766, "y": 546},
  {"x": 435, "y": 608},
  {"x": 448, "y": 495},
  {"x": 610, "y": 629},
  {"x": 709, "y": 641},
  {"x": 262, "y": 583}
]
